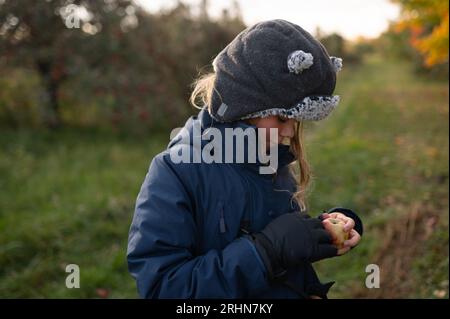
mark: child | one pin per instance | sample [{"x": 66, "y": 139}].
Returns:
[{"x": 224, "y": 229}]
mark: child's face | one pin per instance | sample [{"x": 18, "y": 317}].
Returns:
[{"x": 285, "y": 126}]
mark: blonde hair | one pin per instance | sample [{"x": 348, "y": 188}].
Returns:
[{"x": 203, "y": 88}]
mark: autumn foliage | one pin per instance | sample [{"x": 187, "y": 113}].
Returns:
[{"x": 427, "y": 22}]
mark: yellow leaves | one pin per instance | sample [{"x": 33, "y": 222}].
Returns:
[
  {"x": 435, "y": 46},
  {"x": 428, "y": 23}
]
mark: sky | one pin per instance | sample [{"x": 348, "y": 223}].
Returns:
[{"x": 350, "y": 18}]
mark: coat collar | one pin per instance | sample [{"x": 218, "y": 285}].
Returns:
[
  {"x": 198, "y": 126},
  {"x": 285, "y": 156}
]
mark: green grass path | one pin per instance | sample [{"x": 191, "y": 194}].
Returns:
[{"x": 69, "y": 197}]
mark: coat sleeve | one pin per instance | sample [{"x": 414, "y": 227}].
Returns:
[{"x": 162, "y": 240}]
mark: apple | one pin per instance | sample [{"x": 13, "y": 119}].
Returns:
[{"x": 335, "y": 228}]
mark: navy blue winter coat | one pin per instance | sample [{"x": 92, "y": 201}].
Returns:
[{"x": 187, "y": 236}]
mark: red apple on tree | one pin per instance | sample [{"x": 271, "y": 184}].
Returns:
[{"x": 335, "y": 228}]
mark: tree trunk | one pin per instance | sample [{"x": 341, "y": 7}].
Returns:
[
  {"x": 52, "y": 91},
  {"x": 51, "y": 116}
]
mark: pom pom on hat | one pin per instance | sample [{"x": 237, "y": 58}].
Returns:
[
  {"x": 337, "y": 63},
  {"x": 299, "y": 60}
]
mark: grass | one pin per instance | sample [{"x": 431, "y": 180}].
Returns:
[
  {"x": 68, "y": 197},
  {"x": 385, "y": 154}
]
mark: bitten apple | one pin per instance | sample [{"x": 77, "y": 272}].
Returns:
[{"x": 335, "y": 228}]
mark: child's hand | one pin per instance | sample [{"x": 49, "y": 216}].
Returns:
[{"x": 354, "y": 237}]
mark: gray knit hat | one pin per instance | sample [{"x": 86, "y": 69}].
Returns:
[{"x": 274, "y": 68}]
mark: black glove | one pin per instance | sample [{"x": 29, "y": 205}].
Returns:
[{"x": 292, "y": 239}]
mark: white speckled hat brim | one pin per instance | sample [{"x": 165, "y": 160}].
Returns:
[{"x": 311, "y": 108}]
